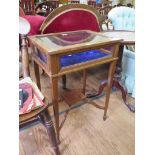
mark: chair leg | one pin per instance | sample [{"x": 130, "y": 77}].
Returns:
[
  {"x": 37, "y": 75},
  {"x": 51, "y": 132},
  {"x": 84, "y": 81},
  {"x": 55, "y": 100},
  {"x": 64, "y": 81}
]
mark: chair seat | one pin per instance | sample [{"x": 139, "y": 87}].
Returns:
[
  {"x": 34, "y": 113},
  {"x": 77, "y": 58}
]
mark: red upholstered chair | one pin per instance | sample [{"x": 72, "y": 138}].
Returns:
[
  {"x": 34, "y": 20},
  {"x": 72, "y": 17}
]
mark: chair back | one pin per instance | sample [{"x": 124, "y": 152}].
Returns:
[
  {"x": 105, "y": 10},
  {"x": 72, "y": 17},
  {"x": 122, "y": 18},
  {"x": 28, "y": 6}
]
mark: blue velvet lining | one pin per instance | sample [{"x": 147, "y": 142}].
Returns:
[
  {"x": 76, "y": 58},
  {"x": 81, "y": 57}
]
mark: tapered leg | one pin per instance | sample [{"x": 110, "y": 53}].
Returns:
[
  {"x": 37, "y": 75},
  {"x": 54, "y": 91},
  {"x": 109, "y": 86},
  {"x": 84, "y": 81},
  {"x": 51, "y": 132}
]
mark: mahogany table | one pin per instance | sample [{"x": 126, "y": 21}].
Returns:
[
  {"x": 128, "y": 38},
  {"x": 52, "y": 52}
]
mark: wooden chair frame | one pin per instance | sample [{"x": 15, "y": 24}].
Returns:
[
  {"x": 68, "y": 7},
  {"x": 104, "y": 12}
]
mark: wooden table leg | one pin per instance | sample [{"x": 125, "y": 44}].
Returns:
[
  {"x": 37, "y": 75},
  {"x": 64, "y": 82},
  {"x": 54, "y": 91},
  {"x": 51, "y": 132},
  {"x": 109, "y": 86},
  {"x": 84, "y": 81}
]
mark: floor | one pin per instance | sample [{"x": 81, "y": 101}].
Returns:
[{"x": 85, "y": 132}]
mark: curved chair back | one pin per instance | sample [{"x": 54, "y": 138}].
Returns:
[
  {"x": 122, "y": 18},
  {"x": 72, "y": 17}
]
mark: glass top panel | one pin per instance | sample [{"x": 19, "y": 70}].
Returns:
[{"x": 56, "y": 41}]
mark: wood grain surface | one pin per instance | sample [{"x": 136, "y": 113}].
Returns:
[{"x": 85, "y": 132}]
